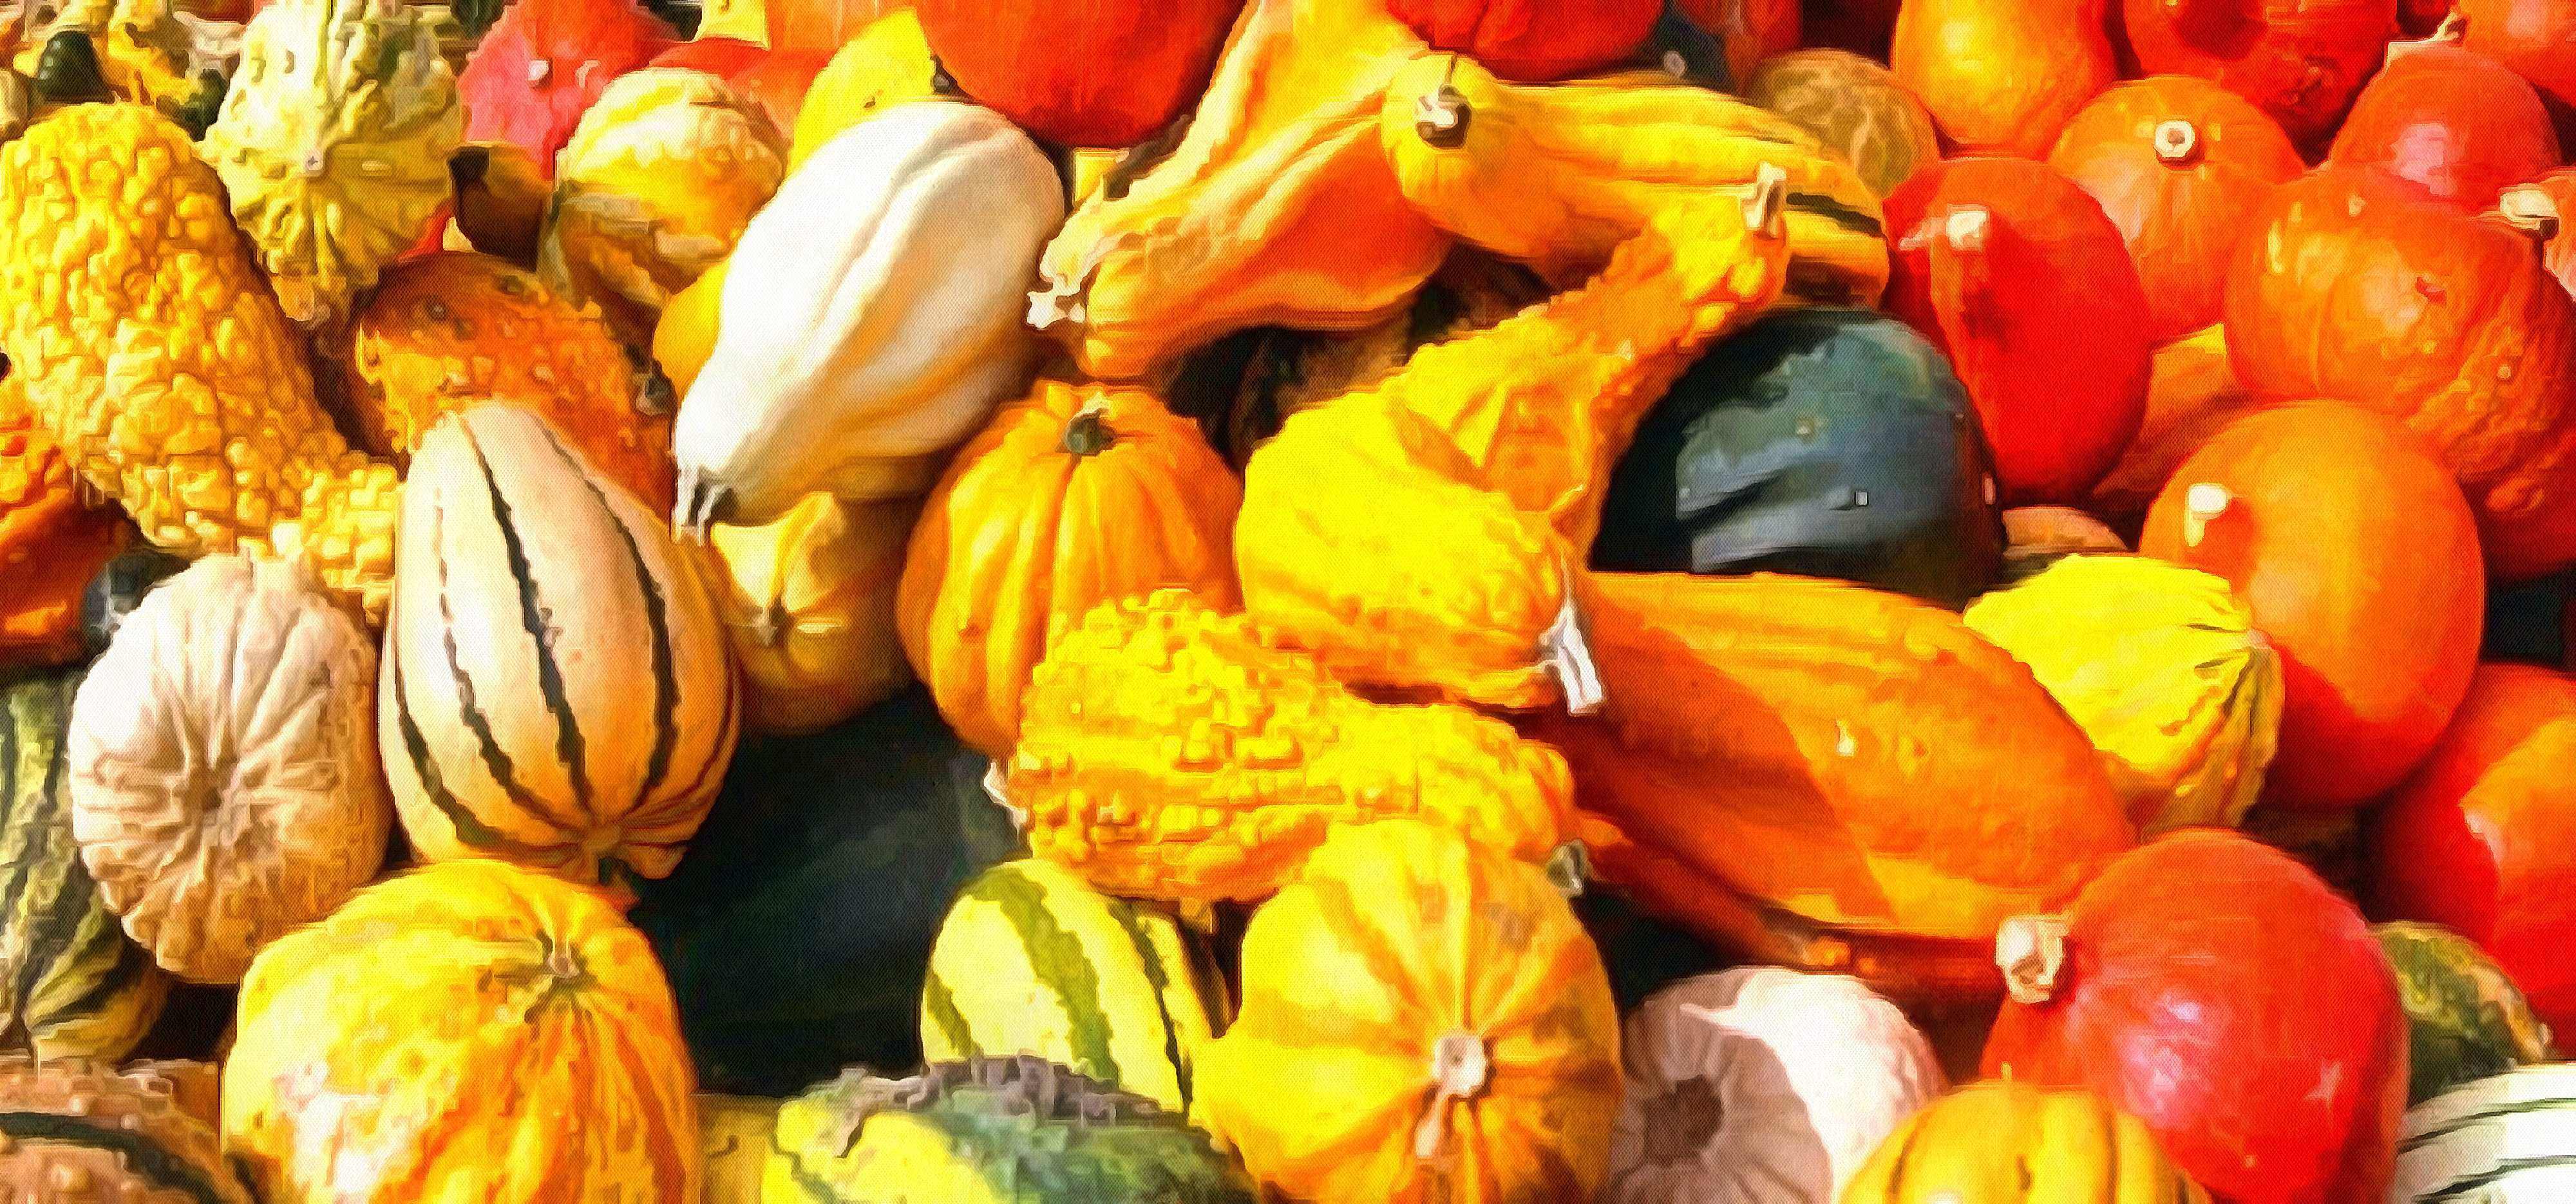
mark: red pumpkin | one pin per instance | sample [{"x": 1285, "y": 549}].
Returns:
[
  {"x": 2021, "y": 278},
  {"x": 1539, "y": 40},
  {"x": 2180, "y": 165},
  {"x": 2219, "y": 991},
  {"x": 778, "y": 83},
  {"x": 2483, "y": 838},
  {"x": 1751, "y": 30},
  {"x": 2359, "y": 559},
  {"x": 2299, "y": 60},
  {"x": 2362, "y": 287},
  {"x": 2453, "y": 120},
  {"x": 821, "y": 26},
  {"x": 2536, "y": 38},
  {"x": 544, "y": 62},
  {"x": 720, "y": 57},
  {"x": 2541, "y": 205},
  {"x": 1081, "y": 72}
]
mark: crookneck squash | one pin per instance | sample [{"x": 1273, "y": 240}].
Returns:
[
  {"x": 1422, "y": 1020},
  {"x": 1853, "y": 105},
  {"x": 809, "y": 602},
  {"x": 1171, "y": 751},
  {"x": 2010, "y": 1141},
  {"x": 410, "y": 1045},
  {"x": 2003, "y": 76},
  {"x": 80, "y": 1129},
  {"x": 51, "y": 541},
  {"x": 1074, "y": 496},
  {"x": 2455, "y": 121},
  {"x": 2465, "y": 1018}
]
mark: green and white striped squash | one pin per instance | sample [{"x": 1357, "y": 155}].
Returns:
[
  {"x": 2465, "y": 1019},
  {"x": 1031, "y": 960},
  {"x": 80, "y": 987},
  {"x": 556, "y": 688},
  {"x": 2505, "y": 1139}
]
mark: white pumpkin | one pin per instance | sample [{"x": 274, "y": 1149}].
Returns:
[
  {"x": 1761, "y": 1086},
  {"x": 871, "y": 317},
  {"x": 224, "y": 788},
  {"x": 2506, "y": 1139}
]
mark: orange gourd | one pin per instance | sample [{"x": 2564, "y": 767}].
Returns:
[
  {"x": 2455, "y": 121},
  {"x": 2359, "y": 558},
  {"x": 821, "y": 26},
  {"x": 2299, "y": 60},
  {"x": 2180, "y": 165},
  {"x": 2002, "y": 75},
  {"x": 1080, "y": 72},
  {"x": 2536, "y": 38},
  {"x": 50, "y": 543}
]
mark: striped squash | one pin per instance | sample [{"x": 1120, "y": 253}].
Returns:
[
  {"x": 78, "y": 1131},
  {"x": 81, "y": 988},
  {"x": 1031, "y": 960},
  {"x": 2506, "y": 1139},
  {"x": 2465, "y": 1019},
  {"x": 556, "y": 688}
]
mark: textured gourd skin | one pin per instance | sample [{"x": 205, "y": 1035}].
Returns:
[
  {"x": 809, "y": 604},
  {"x": 2503, "y": 1137},
  {"x": 1855, "y": 756},
  {"x": 98, "y": 1108},
  {"x": 145, "y": 53},
  {"x": 1167, "y": 751},
  {"x": 51, "y": 542},
  {"x": 1852, "y": 104},
  {"x": 152, "y": 349},
  {"x": 1995, "y": 1142},
  {"x": 466, "y": 1031}
]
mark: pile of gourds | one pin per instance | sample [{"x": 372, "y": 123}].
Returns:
[{"x": 1319, "y": 600}]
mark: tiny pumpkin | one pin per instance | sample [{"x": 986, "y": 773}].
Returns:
[{"x": 809, "y": 602}]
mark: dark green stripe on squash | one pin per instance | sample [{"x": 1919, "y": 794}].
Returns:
[
  {"x": 666, "y": 674},
  {"x": 424, "y": 766},
  {"x": 1056, "y": 958},
  {"x": 537, "y": 619},
  {"x": 161, "y": 1169},
  {"x": 496, "y": 759},
  {"x": 940, "y": 1004},
  {"x": 1125, "y": 915}
]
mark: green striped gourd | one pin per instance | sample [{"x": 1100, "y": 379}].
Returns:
[
  {"x": 2505, "y": 1139},
  {"x": 1031, "y": 960},
  {"x": 80, "y": 988},
  {"x": 2465, "y": 1019},
  {"x": 78, "y": 1130},
  {"x": 556, "y": 688}
]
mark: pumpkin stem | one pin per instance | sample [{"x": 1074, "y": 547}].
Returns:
[
  {"x": 2530, "y": 209},
  {"x": 1440, "y": 116},
  {"x": 2177, "y": 143},
  {"x": 2031, "y": 951},
  {"x": 1569, "y": 867},
  {"x": 1569, "y": 660},
  {"x": 1459, "y": 1070},
  {"x": 1765, "y": 203},
  {"x": 2202, "y": 505},
  {"x": 2453, "y": 30},
  {"x": 1087, "y": 433}
]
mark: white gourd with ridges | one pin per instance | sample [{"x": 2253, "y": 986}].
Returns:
[
  {"x": 2507, "y": 1139},
  {"x": 872, "y": 315}
]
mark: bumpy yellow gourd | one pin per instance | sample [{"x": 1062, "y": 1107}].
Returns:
[
  {"x": 1168, "y": 751},
  {"x": 147, "y": 342},
  {"x": 889, "y": 62}
]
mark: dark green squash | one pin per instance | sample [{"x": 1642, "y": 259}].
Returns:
[
  {"x": 119, "y": 588},
  {"x": 798, "y": 929},
  {"x": 1824, "y": 442}
]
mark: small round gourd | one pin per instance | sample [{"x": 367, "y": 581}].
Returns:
[
  {"x": 809, "y": 604},
  {"x": 2465, "y": 1019},
  {"x": 1854, "y": 105}
]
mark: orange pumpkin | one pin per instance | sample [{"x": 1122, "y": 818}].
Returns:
[
  {"x": 2192, "y": 393},
  {"x": 2358, "y": 286},
  {"x": 1534, "y": 41},
  {"x": 2180, "y": 165},
  {"x": 2299, "y": 60},
  {"x": 821, "y": 26},
  {"x": 2537, "y": 38},
  {"x": 1751, "y": 30},
  {"x": 778, "y": 83},
  {"x": 1080, "y": 72},
  {"x": 2541, "y": 204},
  {"x": 2455, "y": 121},
  {"x": 2359, "y": 558},
  {"x": 50, "y": 543},
  {"x": 2003, "y": 75},
  {"x": 1075, "y": 496}
]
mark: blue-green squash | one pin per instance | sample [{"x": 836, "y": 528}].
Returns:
[
  {"x": 2465, "y": 1020},
  {"x": 798, "y": 929},
  {"x": 1823, "y": 442}
]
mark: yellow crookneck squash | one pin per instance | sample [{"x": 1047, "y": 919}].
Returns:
[
  {"x": 1423, "y": 1022},
  {"x": 1168, "y": 751},
  {"x": 1075, "y": 496}
]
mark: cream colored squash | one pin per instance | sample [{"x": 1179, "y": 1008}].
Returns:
[{"x": 809, "y": 603}]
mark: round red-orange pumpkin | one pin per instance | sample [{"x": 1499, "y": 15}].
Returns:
[
  {"x": 2543, "y": 204},
  {"x": 2359, "y": 559},
  {"x": 2299, "y": 60},
  {"x": 721, "y": 57},
  {"x": 2455, "y": 121},
  {"x": 821, "y": 26},
  {"x": 2219, "y": 991},
  {"x": 2019, "y": 276},
  {"x": 543, "y": 64},
  {"x": 2537, "y": 38},
  {"x": 1752, "y": 30},
  {"x": 1539, "y": 40},
  {"x": 1081, "y": 72},
  {"x": 2359, "y": 286},
  {"x": 2179, "y": 164},
  {"x": 2002, "y": 75}
]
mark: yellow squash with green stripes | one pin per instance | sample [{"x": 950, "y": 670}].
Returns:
[{"x": 1032, "y": 960}]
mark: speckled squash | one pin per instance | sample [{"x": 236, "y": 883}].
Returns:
[
  {"x": 809, "y": 604},
  {"x": 83, "y": 1130},
  {"x": 2012, "y": 1141},
  {"x": 2465, "y": 1019},
  {"x": 1852, "y": 104},
  {"x": 466, "y": 1030}
]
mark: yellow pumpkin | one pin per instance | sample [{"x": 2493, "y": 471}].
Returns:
[
  {"x": 809, "y": 604},
  {"x": 467, "y": 1031},
  {"x": 887, "y": 63},
  {"x": 2002, "y": 1141}
]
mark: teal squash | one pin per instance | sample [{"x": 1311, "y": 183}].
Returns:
[
  {"x": 797, "y": 932},
  {"x": 2506, "y": 1139},
  {"x": 1822, "y": 442},
  {"x": 2465, "y": 1019}
]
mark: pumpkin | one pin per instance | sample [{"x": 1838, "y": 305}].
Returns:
[
  {"x": 2192, "y": 393},
  {"x": 1536, "y": 40},
  {"x": 453, "y": 330},
  {"x": 50, "y": 542},
  {"x": 586, "y": 723},
  {"x": 545, "y": 63},
  {"x": 1422, "y": 1020},
  {"x": 1761, "y": 1084},
  {"x": 2539, "y": 204},
  {"x": 2476, "y": 840},
  {"x": 2013, "y": 1141},
  {"x": 1749, "y": 32},
  {"x": 82, "y": 989},
  {"x": 2354, "y": 285},
  {"x": 80, "y": 1128},
  {"x": 1273, "y": 755},
  {"x": 1831, "y": 442},
  {"x": 1853, "y": 105},
  {"x": 2359, "y": 561},
  {"x": 1011, "y": 547},
  {"x": 1093, "y": 74},
  {"x": 2465, "y": 1019},
  {"x": 809, "y": 604},
  {"x": 1021, "y": 1129},
  {"x": 220, "y": 793},
  {"x": 746, "y": 21},
  {"x": 2455, "y": 121},
  {"x": 1856, "y": 757},
  {"x": 2016, "y": 274},
  {"x": 820, "y": 26},
  {"x": 2502, "y": 1138},
  {"x": 2002, "y": 76},
  {"x": 2299, "y": 60},
  {"x": 333, "y": 143},
  {"x": 448, "y": 1023},
  {"x": 798, "y": 930},
  {"x": 735, "y": 1133},
  {"x": 2163, "y": 669},
  {"x": 2537, "y": 38},
  {"x": 2224, "y": 995},
  {"x": 722, "y": 57},
  {"x": 886, "y": 63},
  {"x": 853, "y": 345},
  {"x": 654, "y": 187},
  {"x": 2036, "y": 537},
  {"x": 1032, "y": 961},
  {"x": 2180, "y": 165}
]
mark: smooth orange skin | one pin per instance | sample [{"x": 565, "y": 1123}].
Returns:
[
  {"x": 2537, "y": 38},
  {"x": 2455, "y": 121},
  {"x": 2360, "y": 560},
  {"x": 2002, "y": 75},
  {"x": 1079, "y": 72},
  {"x": 2300, "y": 60},
  {"x": 821, "y": 26}
]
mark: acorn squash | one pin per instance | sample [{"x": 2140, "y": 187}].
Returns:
[{"x": 2465, "y": 1019}]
